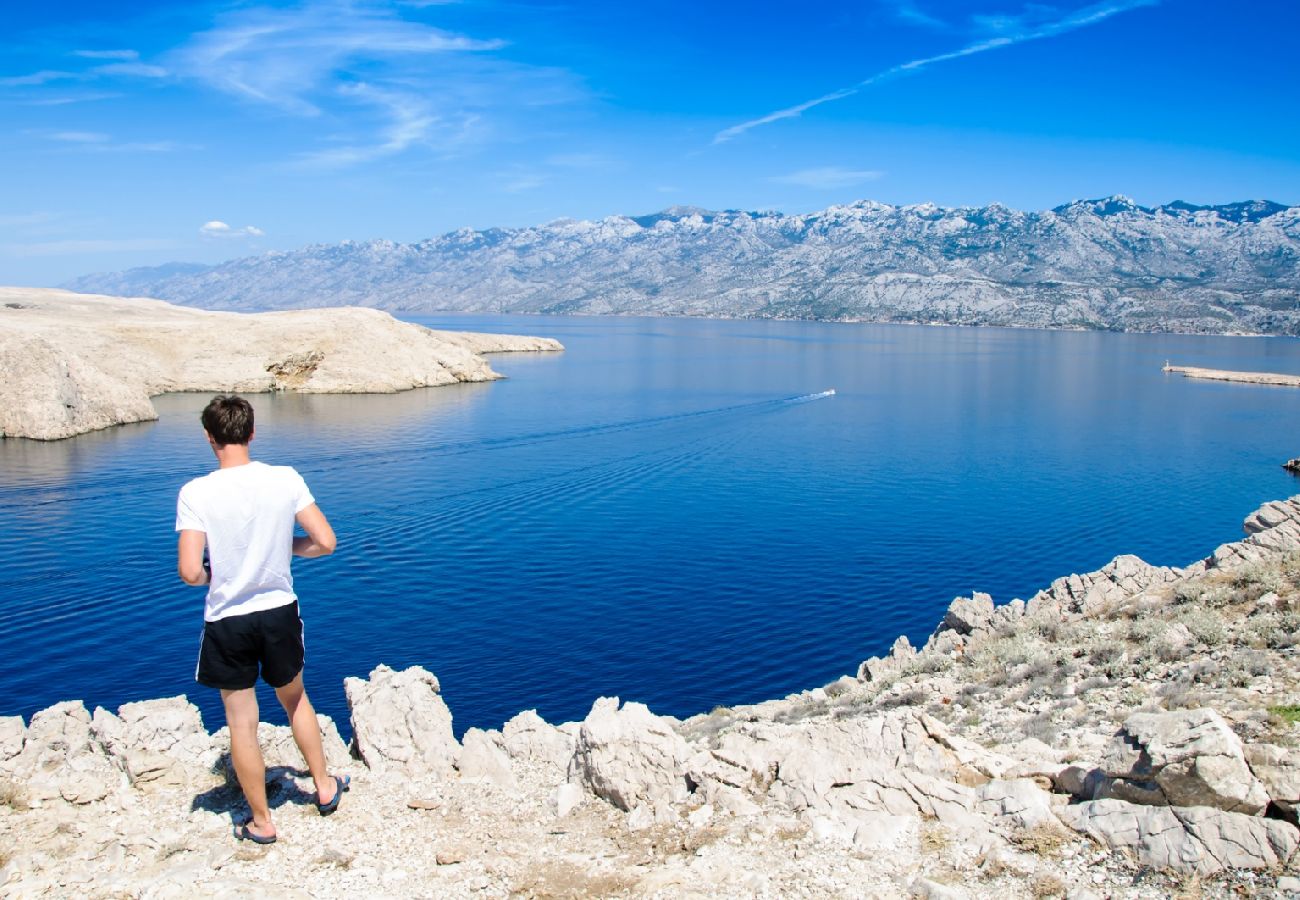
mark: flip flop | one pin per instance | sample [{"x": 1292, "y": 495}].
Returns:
[
  {"x": 244, "y": 833},
  {"x": 342, "y": 785}
]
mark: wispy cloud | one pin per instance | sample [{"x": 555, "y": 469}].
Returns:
[
  {"x": 99, "y": 142},
  {"x": 1014, "y": 30},
  {"x": 131, "y": 69},
  {"x": 519, "y": 179},
  {"x": 45, "y": 76},
  {"x": 396, "y": 83},
  {"x": 96, "y": 245},
  {"x": 80, "y": 137},
  {"x": 912, "y": 14},
  {"x": 67, "y": 99},
  {"x": 125, "y": 55},
  {"x": 219, "y": 229},
  {"x": 828, "y": 177},
  {"x": 285, "y": 57}
]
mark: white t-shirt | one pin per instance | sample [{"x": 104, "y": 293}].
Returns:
[{"x": 247, "y": 513}]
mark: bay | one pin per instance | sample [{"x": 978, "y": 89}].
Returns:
[{"x": 667, "y": 511}]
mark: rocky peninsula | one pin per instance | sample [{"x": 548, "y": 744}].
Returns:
[
  {"x": 1129, "y": 732},
  {"x": 72, "y": 363}
]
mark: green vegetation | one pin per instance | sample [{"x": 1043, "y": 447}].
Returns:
[{"x": 1289, "y": 714}]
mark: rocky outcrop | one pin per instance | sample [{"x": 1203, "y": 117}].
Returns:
[
  {"x": 1182, "y": 758},
  {"x": 1196, "y": 839},
  {"x": 1126, "y": 733},
  {"x": 400, "y": 722},
  {"x": 1278, "y": 769},
  {"x": 630, "y": 756},
  {"x": 72, "y": 363}
]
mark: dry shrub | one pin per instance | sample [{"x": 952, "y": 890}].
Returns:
[
  {"x": 1046, "y": 885},
  {"x": 1043, "y": 839},
  {"x": 13, "y": 794}
]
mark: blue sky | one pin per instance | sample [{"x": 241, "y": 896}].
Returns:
[{"x": 139, "y": 133}]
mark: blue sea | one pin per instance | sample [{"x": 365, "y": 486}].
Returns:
[{"x": 672, "y": 510}]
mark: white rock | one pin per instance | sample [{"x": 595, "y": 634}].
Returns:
[
  {"x": 61, "y": 758},
  {"x": 12, "y": 732},
  {"x": 1020, "y": 803},
  {"x": 400, "y": 722},
  {"x": 1182, "y": 758},
  {"x": 482, "y": 757},
  {"x": 879, "y": 831},
  {"x": 529, "y": 737},
  {"x": 1278, "y": 768},
  {"x": 630, "y": 756},
  {"x": 1187, "y": 839},
  {"x": 565, "y": 798}
]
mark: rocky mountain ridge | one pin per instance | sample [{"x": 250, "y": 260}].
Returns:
[
  {"x": 1129, "y": 732},
  {"x": 1098, "y": 264}
]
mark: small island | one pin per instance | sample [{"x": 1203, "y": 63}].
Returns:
[{"x": 72, "y": 363}]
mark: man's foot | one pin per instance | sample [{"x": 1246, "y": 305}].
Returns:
[
  {"x": 325, "y": 807},
  {"x": 264, "y": 835}
]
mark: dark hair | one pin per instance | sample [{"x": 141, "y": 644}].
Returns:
[{"x": 228, "y": 419}]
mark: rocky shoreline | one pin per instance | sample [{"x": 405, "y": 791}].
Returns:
[
  {"x": 1129, "y": 732},
  {"x": 72, "y": 363}
]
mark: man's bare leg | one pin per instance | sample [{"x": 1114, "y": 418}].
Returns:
[
  {"x": 306, "y": 733},
  {"x": 246, "y": 754}
]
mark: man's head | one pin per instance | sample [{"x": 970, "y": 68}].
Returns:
[{"x": 228, "y": 420}]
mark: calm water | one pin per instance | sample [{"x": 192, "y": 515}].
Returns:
[{"x": 660, "y": 513}]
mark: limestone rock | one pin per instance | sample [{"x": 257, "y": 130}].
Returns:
[
  {"x": 900, "y": 654},
  {"x": 566, "y": 798},
  {"x": 1272, "y": 529},
  {"x": 400, "y": 722},
  {"x": 630, "y": 756},
  {"x": 530, "y": 737},
  {"x": 157, "y": 741},
  {"x": 1020, "y": 803},
  {"x": 967, "y": 615},
  {"x": 1198, "y": 839},
  {"x": 1182, "y": 758},
  {"x": 1094, "y": 592},
  {"x": 62, "y": 758},
  {"x": 1278, "y": 768},
  {"x": 12, "y": 732},
  {"x": 882, "y": 832},
  {"x": 482, "y": 757},
  {"x": 71, "y": 363}
]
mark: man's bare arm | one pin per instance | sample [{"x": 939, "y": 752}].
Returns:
[
  {"x": 189, "y": 557},
  {"x": 320, "y": 540}
]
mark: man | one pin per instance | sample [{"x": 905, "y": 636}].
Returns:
[{"x": 244, "y": 512}]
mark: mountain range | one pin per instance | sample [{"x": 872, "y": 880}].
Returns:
[{"x": 1096, "y": 264}]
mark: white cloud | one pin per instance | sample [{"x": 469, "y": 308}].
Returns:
[
  {"x": 913, "y": 15},
  {"x": 125, "y": 55},
  {"x": 1015, "y": 30},
  {"x": 219, "y": 229},
  {"x": 132, "y": 69},
  {"x": 828, "y": 177},
  {"x": 285, "y": 57},
  {"x": 42, "y": 77},
  {"x": 76, "y": 247},
  {"x": 80, "y": 137}
]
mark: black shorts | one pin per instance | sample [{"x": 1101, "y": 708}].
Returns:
[{"x": 233, "y": 648}]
